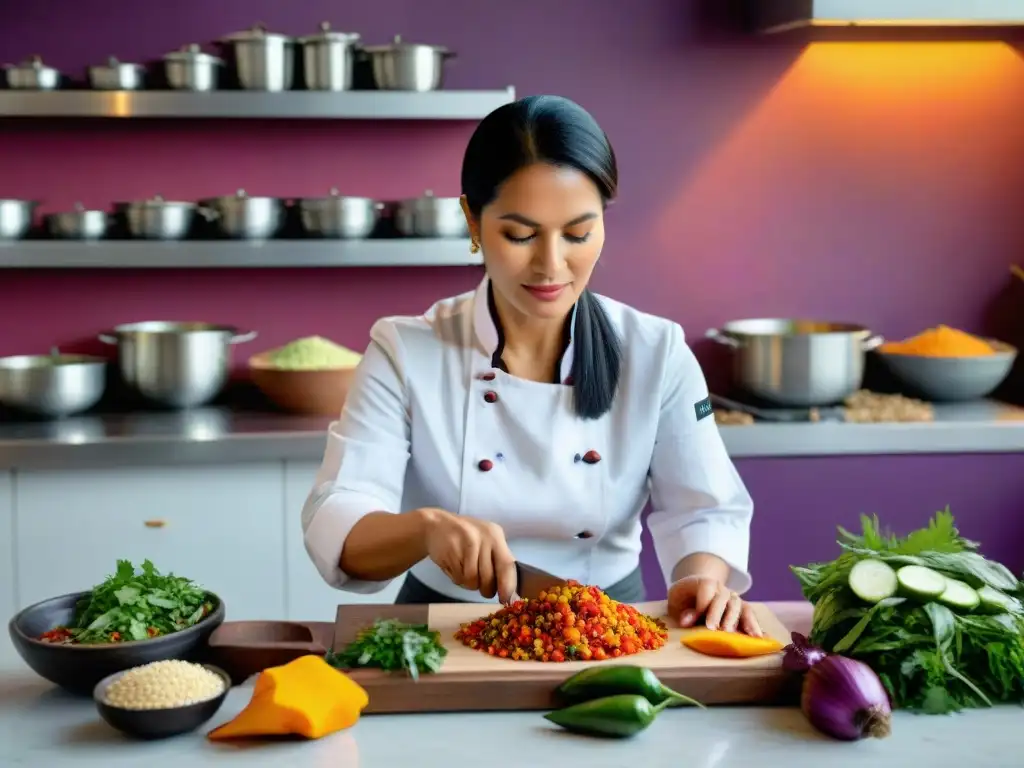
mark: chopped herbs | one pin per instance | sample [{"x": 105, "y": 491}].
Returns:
[
  {"x": 936, "y": 650},
  {"x": 134, "y": 605},
  {"x": 392, "y": 645}
]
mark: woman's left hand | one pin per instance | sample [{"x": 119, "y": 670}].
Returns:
[{"x": 692, "y": 597}]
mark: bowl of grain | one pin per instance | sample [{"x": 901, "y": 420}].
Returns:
[
  {"x": 311, "y": 375},
  {"x": 946, "y": 364},
  {"x": 161, "y": 699}
]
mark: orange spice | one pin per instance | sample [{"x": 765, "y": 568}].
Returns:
[{"x": 941, "y": 341}]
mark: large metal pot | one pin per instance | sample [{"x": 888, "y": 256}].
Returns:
[
  {"x": 265, "y": 60},
  {"x": 117, "y": 76},
  {"x": 53, "y": 385},
  {"x": 16, "y": 218},
  {"x": 180, "y": 365},
  {"x": 430, "y": 216},
  {"x": 340, "y": 216},
  {"x": 157, "y": 219},
  {"x": 799, "y": 363},
  {"x": 190, "y": 69},
  {"x": 33, "y": 75},
  {"x": 328, "y": 59},
  {"x": 401, "y": 66},
  {"x": 247, "y": 218}
]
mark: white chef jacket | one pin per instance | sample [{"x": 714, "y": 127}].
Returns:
[{"x": 428, "y": 422}]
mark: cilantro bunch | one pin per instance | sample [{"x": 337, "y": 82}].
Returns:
[
  {"x": 138, "y": 604},
  {"x": 930, "y": 657},
  {"x": 392, "y": 645}
]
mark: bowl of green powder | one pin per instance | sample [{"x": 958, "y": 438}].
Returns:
[{"x": 309, "y": 375}]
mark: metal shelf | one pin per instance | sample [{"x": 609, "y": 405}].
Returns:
[
  {"x": 236, "y": 254},
  {"x": 291, "y": 105}
]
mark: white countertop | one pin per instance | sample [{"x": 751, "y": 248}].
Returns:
[{"x": 41, "y": 726}]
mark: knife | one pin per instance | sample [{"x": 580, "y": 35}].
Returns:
[{"x": 531, "y": 581}]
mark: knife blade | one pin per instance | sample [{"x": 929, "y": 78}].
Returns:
[{"x": 531, "y": 581}]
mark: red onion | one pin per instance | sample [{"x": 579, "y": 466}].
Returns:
[
  {"x": 845, "y": 699},
  {"x": 800, "y": 656}
]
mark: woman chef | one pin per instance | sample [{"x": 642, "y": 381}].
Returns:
[{"x": 531, "y": 419}]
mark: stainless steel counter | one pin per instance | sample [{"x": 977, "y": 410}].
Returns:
[{"x": 224, "y": 435}]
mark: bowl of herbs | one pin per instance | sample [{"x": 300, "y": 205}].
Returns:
[{"x": 135, "y": 616}]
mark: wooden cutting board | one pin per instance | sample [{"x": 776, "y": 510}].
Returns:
[{"x": 472, "y": 680}]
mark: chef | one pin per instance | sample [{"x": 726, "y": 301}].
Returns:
[{"x": 532, "y": 419}]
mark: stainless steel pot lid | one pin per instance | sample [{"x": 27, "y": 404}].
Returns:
[
  {"x": 157, "y": 201},
  {"x": 13, "y": 201},
  {"x": 240, "y": 196},
  {"x": 326, "y": 34},
  {"x": 771, "y": 326},
  {"x": 31, "y": 64},
  {"x": 256, "y": 33},
  {"x": 400, "y": 45},
  {"x": 113, "y": 63},
  {"x": 77, "y": 210},
  {"x": 192, "y": 53},
  {"x": 334, "y": 194},
  {"x": 24, "y": 362},
  {"x": 169, "y": 326}
]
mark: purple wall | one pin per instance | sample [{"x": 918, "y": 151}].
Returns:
[{"x": 876, "y": 183}]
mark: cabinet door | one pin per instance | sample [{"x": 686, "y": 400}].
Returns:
[
  {"x": 7, "y": 597},
  {"x": 217, "y": 525},
  {"x": 309, "y": 597}
]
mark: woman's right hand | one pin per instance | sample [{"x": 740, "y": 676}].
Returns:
[{"x": 473, "y": 553}]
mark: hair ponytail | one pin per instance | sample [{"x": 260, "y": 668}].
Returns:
[{"x": 597, "y": 358}]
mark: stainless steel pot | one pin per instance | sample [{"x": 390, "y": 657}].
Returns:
[
  {"x": 430, "y": 216},
  {"x": 340, "y": 216},
  {"x": 190, "y": 69},
  {"x": 158, "y": 219},
  {"x": 78, "y": 224},
  {"x": 328, "y": 58},
  {"x": 247, "y": 218},
  {"x": 799, "y": 363},
  {"x": 32, "y": 75},
  {"x": 16, "y": 218},
  {"x": 180, "y": 365},
  {"x": 265, "y": 60},
  {"x": 401, "y": 66},
  {"x": 117, "y": 76},
  {"x": 53, "y": 385}
]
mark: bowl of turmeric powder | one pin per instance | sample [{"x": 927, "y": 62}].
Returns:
[
  {"x": 310, "y": 376},
  {"x": 947, "y": 364}
]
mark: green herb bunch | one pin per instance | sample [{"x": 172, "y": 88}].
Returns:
[
  {"x": 931, "y": 657},
  {"x": 138, "y": 604},
  {"x": 392, "y": 645}
]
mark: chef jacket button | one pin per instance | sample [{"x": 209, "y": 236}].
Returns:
[
  {"x": 485, "y": 465},
  {"x": 568, "y": 381},
  {"x": 584, "y": 534},
  {"x": 591, "y": 457},
  {"x": 486, "y": 377},
  {"x": 490, "y": 396},
  {"x": 577, "y": 459}
]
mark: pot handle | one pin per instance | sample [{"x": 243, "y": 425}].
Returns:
[
  {"x": 716, "y": 335},
  {"x": 107, "y": 337},
  {"x": 241, "y": 338},
  {"x": 872, "y": 342}
]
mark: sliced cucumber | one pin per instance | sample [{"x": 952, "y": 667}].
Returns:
[
  {"x": 873, "y": 581},
  {"x": 960, "y": 596},
  {"x": 920, "y": 582},
  {"x": 994, "y": 601}
]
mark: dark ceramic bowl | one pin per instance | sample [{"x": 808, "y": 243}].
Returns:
[
  {"x": 78, "y": 668},
  {"x": 159, "y": 723}
]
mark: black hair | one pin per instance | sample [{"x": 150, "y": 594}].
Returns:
[{"x": 557, "y": 131}]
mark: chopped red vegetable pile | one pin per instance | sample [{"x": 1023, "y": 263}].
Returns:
[{"x": 570, "y": 623}]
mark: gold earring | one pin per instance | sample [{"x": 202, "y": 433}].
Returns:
[{"x": 474, "y": 246}]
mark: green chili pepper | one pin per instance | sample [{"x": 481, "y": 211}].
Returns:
[
  {"x": 616, "y": 716},
  {"x": 598, "y": 682}
]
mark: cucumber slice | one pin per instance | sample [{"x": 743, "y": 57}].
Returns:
[
  {"x": 994, "y": 601},
  {"x": 960, "y": 596},
  {"x": 921, "y": 582},
  {"x": 873, "y": 581}
]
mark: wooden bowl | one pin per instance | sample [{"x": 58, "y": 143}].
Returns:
[{"x": 315, "y": 393}]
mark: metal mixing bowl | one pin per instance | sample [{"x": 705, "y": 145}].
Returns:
[{"x": 52, "y": 385}]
